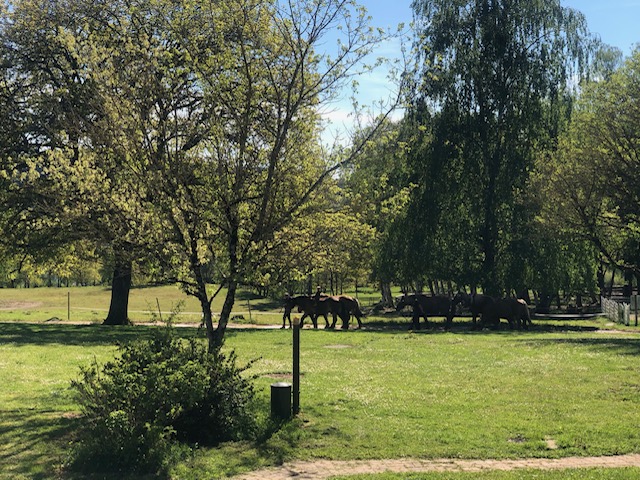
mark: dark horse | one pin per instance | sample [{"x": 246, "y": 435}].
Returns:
[
  {"x": 311, "y": 308},
  {"x": 424, "y": 305},
  {"x": 491, "y": 310},
  {"x": 350, "y": 306},
  {"x": 476, "y": 303}
]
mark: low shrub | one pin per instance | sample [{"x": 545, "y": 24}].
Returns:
[{"x": 155, "y": 392}]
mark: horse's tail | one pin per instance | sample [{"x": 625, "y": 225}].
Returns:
[{"x": 526, "y": 315}]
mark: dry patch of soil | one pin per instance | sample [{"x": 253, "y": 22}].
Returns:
[
  {"x": 10, "y": 305},
  {"x": 323, "y": 469}
]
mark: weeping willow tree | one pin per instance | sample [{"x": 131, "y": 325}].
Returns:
[{"x": 490, "y": 91}]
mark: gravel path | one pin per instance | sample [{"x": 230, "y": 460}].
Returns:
[{"x": 323, "y": 469}]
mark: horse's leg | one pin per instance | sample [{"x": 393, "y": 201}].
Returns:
[
  {"x": 314, "y": 319},
  {"x": 359, "y": 321},
  {"x": 449, "y": 321},
  {"x": 416, "y": 320},
  {"x": 335, "y": 320},
  {"x": 345, "y": 321},
  {"x": 326, "y": 321}
]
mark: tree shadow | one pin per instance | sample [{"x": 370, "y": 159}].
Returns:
[
  {"x": 79, "y": 335},
  {"x": 31, "y": 440},
  {"x": 628, "y": 346},
  {"x": 257, "y": 302}
]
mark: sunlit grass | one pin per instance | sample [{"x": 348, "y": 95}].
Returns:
[
  {"x": 382, "y": 393},
  {"x": 91, "y": 304}
]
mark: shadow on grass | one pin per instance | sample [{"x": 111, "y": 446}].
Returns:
[
  {"x": 257, "y": 302},
  {"x": 32, "y": 442},
  {"x": 46, "y": 334},
  {"x": 463, "y": 325},
  {"x": 36, "y": 445},
  {"x": 620, "y": 346}
]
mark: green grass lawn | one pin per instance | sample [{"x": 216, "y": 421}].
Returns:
[
  {"x": 91, "y": 304},
  {"x": 381, "y": 393}
]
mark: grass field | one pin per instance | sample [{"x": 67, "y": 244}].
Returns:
[
  {"x": 562, "y": 389},
  {"x": 91, "y": 304}
]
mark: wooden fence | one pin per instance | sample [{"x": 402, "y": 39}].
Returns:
[{"x": 619, "y": 312}]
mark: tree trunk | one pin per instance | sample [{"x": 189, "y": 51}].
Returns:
[
  {"x": 217, "y": 338},
  {"x": 601, "y": 272},
  {"x": 387, "y": 298},
  {"x": 613, "y": 279},
  {"x": 120, "y": 287}
]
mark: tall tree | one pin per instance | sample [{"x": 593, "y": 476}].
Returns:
[
  {"x": 378, "y": 188},
  {"x": 201, "y": 123},
  {"x": 491, "y": 77},
  {"x": 56, "y": 193},
  {"x": 593, "y": 189}
]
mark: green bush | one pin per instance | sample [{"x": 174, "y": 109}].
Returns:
[{"x": 155, "y": 392}]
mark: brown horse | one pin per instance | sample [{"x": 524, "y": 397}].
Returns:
[
  {"x": 350, "y": 306},
  {"x": 310, "y": 307},
  {"x": 514, "y": 310},
  {"x": 424, "y": 305},
  {"x": 491, "y": 310},
  {"x": 476, "y": 303}
]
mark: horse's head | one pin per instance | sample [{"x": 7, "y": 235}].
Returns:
[
  {"x": 461, "y": 298},
  {"x": 401, "y": 302}
]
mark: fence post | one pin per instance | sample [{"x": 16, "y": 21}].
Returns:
[{"x": 296, "y": 365}]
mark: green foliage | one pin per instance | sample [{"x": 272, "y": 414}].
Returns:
[
  {"x": 490, "y": 88},
  {"x": 592, "y": 188},
  {"x": 158, "y": 391}
]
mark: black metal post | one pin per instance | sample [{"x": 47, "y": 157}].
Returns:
[{"x": 296, "y": 365}]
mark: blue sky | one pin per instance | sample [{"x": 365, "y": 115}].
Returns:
[{"x": 617, "y": 22}]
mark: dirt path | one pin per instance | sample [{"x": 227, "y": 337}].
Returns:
[{"x": 323, "y": 469}]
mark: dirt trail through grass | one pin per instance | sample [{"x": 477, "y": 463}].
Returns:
[{"x": 323, "y": 469}]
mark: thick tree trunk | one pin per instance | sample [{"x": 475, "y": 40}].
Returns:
[
  {"x": 217, "y": 339},
  {"x": 120, "y": 287},
  {"x": 385, "y": 291}
]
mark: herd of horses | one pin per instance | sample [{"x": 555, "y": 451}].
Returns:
[
  {"x": 484, "y": 307},
  {"x": 342, "y": 306},
  {"x": 489, "y": 309}
]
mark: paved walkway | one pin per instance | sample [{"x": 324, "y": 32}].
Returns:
[{"x": 323, "y": 469}]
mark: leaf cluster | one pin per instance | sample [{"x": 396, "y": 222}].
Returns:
[{"x": 155, "y": 392}]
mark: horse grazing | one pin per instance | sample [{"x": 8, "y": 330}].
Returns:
[
  {"x": 514, "y": 310},
  {"x": 491, "y": 310},
  {"x": 424, "y": 305},
  {"x": 310, "y": 307},
  {"x": 350, "y": 306},
  {"x": 476, "y": 303}
]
